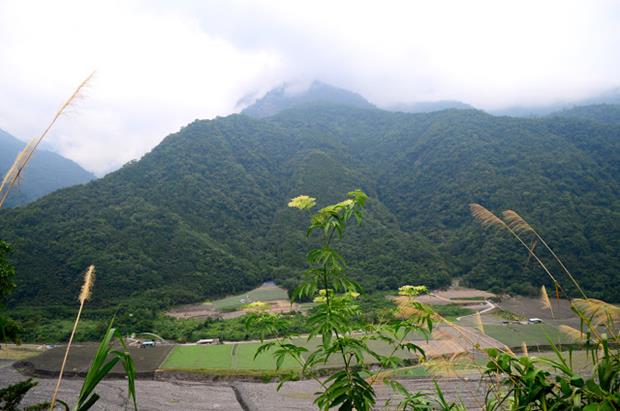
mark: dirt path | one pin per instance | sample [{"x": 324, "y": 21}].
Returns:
[{"x": 490, "y": 307}]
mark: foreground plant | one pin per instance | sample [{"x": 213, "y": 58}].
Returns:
[
  {"x": 104, "y": 361},
  {"x": 101, "y": 364},
  {"x": 335, "y": 318},
  {"x": 532, "y": 383},
  {"x": 14, "y": 173}
]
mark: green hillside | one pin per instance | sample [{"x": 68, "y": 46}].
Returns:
[
  {"x": 205, "y": 213},
  {"x": 598, "y": 113}
]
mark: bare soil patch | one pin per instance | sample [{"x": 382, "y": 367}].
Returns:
[
  {"x": 202, "y": 311},
  {"x": 147, "y": 360},
  {"x": 232, "y": 306}
]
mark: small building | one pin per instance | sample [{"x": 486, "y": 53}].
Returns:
[
  {"x": 535, "y": 320},
  {"x": 206, "y": 341}
]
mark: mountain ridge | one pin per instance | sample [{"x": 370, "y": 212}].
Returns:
[
  {"x": 204, "y": 213},
  {"x": 46, "y": 172}
]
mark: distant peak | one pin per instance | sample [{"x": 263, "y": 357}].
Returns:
[{"x": 293, "y": 94}]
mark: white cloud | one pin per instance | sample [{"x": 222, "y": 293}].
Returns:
[
  {"x": 161, "y": 65},
  {"x": 155, "y": 73}
]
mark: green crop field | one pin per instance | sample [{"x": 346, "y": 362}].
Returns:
[
  {"x": 195, "y": 357},
  {"x": 513, "y": 335},
  {"x": 240, "y": 356},
  {"x": 266, "y": 292},
  {"x": 244, "y": 359}
]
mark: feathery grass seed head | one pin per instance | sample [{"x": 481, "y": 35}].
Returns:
[
  {"x": 87, "y": 286},
  {"x": 516, "y": 222},
  {"x": 484, "y": 216}
]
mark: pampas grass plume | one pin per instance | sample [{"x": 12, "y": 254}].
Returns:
[
  {"x": 484, "y": 216},
  {"x": 85, "y": 292},
  {"x": 87, "y": 286},
  {"x": 516, "y": 222},
  {"x": 544, "y": 298},
  {"x": 23, "y": 157}
]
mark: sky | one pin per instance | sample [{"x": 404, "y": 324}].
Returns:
[{"x": 162, "y": 64}]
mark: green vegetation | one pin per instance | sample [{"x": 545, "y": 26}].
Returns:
[
  {"x": 10, "y": 330},
  {"x": 513, "y": 335},
  {"x": 542, "y": 383},
  {"x": 52, "y": 325},
  {"x": 597, "y": 113},
  {"x": 334, "y": 320},
  {"x": 194, "y": 357},
  {"x": 204, "y": 214},
  {"x": 451, "y": 311},
  {"x": 233, "y": 329}
]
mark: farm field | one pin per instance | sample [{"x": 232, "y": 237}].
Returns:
[
  {"x": 146, "y": 359},
  {"x": 232, "y": 306},
  {"x": 513, "y": 335},
  {"x": 239, "y": 356},
  {"x": 531, "y": 307},
  {"x": 266, "y": 292},
  {"x": 20, "y": 352},
  {"x": 194, "y": 357}
]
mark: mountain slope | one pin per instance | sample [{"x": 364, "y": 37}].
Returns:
[
  {"x": 205, "y": 212},
  {"x": 46, "y": 172},
  {"x": 598, "y": 113}
]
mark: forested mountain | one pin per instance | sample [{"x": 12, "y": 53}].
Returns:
[
  {"x": 288, "y": 96},
  {"x": 47, "y": 171},
  {"x": 598, "y": 113},
  {"x": 610, "y": 97},
  {"x": 205, "y": 213}
]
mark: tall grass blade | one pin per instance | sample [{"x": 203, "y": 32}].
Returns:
[
  {"x": 89, "y": 278},
  {"x": 101, "y": 366},
  {"x": 518, "y": 224},
  {"x": 487, "y": 218},
  {"x": 24, "y": 156},
  {"x": 544, "y": 298}
]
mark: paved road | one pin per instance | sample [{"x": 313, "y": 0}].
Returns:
[{"x": 244, "y": 396}]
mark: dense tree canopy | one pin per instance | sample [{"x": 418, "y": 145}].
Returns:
[{"x": 205, "y": 213}]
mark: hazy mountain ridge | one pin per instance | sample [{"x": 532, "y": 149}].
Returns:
[
  {"x": 598, "y": 113},
  {"x": 609, "y": 97},
  {"x": 205, "y": 212},
  {"x": 429, "y": 106},
  {"x": 291, "y": 95},
  {"x": 46, "y": 172}
]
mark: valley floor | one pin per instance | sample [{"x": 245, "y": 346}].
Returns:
[{"x": 248, "y": 396}]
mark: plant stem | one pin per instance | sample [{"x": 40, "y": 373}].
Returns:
[
  {"x": 583, "y": 294},
  {"x": 64, "y": 361}
]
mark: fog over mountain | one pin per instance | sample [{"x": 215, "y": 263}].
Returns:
[{"x": 165, "y": 64}]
